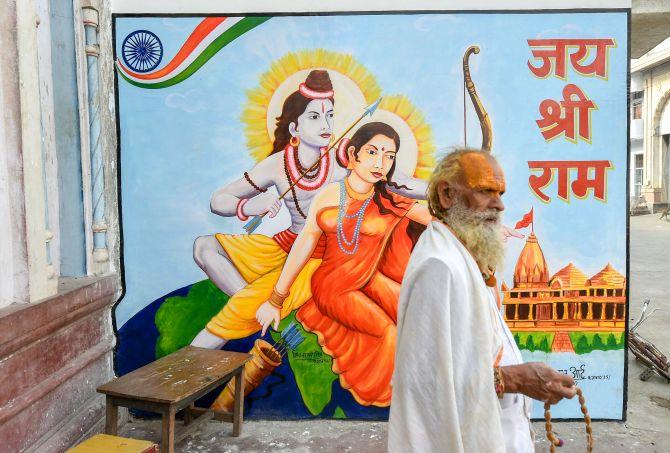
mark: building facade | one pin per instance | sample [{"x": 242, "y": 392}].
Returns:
[
  {"x": 59, "y": 235},
  {"x": 650, "y": 130}
]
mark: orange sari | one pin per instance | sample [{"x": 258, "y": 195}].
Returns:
[{"x": 353, "y": 310}]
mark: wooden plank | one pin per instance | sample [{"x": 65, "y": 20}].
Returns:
[
  {"x": 178, "y": 376},
  {"x": 149, "y": 406},
  {"x": 167, "y": 432},
  {"x": 202, "y": 392},
  {"x": 193, "y": 426},
  {"x": 218, "y": 415},
  {"x": 111, "y": 417},
  {"x": 238, "y": 409},
  {"x": 188, "y": 414}
]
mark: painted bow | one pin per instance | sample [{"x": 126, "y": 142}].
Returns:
[{"x": 484, "y": 120}]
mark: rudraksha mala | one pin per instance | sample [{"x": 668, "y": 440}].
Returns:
[{"x": 555, "y": 441}]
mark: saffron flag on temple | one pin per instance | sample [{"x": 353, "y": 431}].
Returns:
[{"x": 527, "y": 220}]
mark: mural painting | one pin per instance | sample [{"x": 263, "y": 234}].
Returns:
[{"x": 273, "y": 171}]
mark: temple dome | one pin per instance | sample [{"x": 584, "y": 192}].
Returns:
[
  {"x": 608, "y": 277},
  {"x": 568, "y": 277},
  {"x": 531, "y": 268}
]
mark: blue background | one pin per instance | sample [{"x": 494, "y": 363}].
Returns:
[{"x": 179, "y": 144}]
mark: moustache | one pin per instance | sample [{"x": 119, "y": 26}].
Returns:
[{"x": 490, "y": 215}]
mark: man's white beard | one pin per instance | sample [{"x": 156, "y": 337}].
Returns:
[{"x": 484, "y": 239}]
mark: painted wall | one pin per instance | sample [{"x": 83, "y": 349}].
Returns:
[
  {"x": 68, "y": 143},
  {"x": 193, "y": 121}
]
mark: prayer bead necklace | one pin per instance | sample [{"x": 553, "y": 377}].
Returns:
[
  {"x": 343, "y": 243},
  {"x": 555, "y": 441}
]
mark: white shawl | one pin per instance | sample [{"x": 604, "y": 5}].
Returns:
[{"x": 443, "y": 390}]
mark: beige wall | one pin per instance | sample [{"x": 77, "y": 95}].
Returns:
[{"x": 656, "y": 118}]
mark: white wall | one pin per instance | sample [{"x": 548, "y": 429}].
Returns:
[{"x": 245, "y": 6}]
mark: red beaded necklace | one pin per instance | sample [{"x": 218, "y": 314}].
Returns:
[{"x": 294, "y": 167}]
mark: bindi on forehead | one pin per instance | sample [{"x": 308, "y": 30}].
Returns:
[{"x": 481, "y": 172}]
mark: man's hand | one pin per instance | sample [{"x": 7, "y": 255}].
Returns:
[
  {"x": 268, "y": 315},
  {"x": 260, "y": 204},
  {"x": 538, "y": 381}
]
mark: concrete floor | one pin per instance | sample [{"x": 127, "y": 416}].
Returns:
[{"x": 646, "y": 430}]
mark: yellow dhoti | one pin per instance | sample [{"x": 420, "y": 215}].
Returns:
[{"x": 259, "y": 259}]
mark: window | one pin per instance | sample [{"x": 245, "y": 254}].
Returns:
[
  {"x": 636, "y": 103},
  {"x": 638, "y": 173}
]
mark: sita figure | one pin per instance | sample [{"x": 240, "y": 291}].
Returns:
[
  {"x": 246, "y": 267},
  {"x": 353, "y": 309}
]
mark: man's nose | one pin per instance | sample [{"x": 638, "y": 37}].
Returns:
[{"x": 497, "y": 203}]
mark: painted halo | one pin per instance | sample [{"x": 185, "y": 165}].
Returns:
[{"x": 355, "y": 88}]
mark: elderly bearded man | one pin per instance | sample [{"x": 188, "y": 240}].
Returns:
[{"x": 459, "y": 380}]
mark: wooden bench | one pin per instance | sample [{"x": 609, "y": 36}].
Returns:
[{"x": 175, "y": 382}]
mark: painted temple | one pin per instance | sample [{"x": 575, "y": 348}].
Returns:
[{"x": 565, "y": 301}]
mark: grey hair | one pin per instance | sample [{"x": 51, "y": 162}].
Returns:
[{"x": 449, "y": 170}]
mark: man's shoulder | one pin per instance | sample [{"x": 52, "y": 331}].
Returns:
[
  {"x": 273, "y": 161},
  {"x": 437, "y": 246},
  {"x": 270, "y": 170},
  {"x": 432, "y": 265}
]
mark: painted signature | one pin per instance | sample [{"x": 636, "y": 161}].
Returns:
[{"x": 578, "y": 374}]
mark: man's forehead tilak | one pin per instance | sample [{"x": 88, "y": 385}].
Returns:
[{"x": 480, "y": 172}]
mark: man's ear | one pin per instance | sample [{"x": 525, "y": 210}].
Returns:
[{"x": 446, "y": 194}]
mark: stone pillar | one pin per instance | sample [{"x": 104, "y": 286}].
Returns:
[
  {"x": 578, "y": 312},
  {"x": 603, "y": 309},
  {"x": 565, "y": 310},
  {"x": 14, "y": 286},
  {"x": 23, "y": 230},
  {"x": 48, "y": 129},
  {"x": 589, "y": 314},
  {"x": 100, "y": 257},
  {"x": 516, "y": 312}
]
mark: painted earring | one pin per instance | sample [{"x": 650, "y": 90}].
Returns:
[
  {"x": 294, "y": 141},
  {"x": 350, "y": 166}
]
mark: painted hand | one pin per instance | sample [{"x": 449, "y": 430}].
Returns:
[
  {"x": 538, "y": 381},
  {"x": 260, "y": 204},
  {"x": 510, "y": 233},
  {"x": 267, "y": 315}
]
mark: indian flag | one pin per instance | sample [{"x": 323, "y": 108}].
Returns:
[{"x": 210, "y": 36}]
